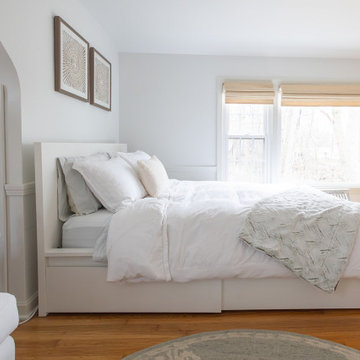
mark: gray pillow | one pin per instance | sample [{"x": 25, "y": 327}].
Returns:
[
  {"x": 80, "y": 199},
  {"x": 64, "y": 211}
]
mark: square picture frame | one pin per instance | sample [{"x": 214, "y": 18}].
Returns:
[
  {"x": 71, "y": 53},
  {"x": 100, "y": 80}
]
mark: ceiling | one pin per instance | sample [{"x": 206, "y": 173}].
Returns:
[{"x": 285, "y": 28}]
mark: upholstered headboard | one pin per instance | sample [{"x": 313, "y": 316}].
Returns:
[{"x": 48, "y": 225}]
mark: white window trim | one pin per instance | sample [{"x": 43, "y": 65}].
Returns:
[
  {"x": 220, "y": 134},
  {"x": 275, "y": 138},
  {"x": 273, "y": 142}
]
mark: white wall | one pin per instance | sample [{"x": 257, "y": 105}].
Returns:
[
  {"x": 26, "y": 32},
  {"x": 35, "y": 112},
  {"x": 168, "y": 103}
]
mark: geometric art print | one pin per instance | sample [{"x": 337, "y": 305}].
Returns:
[
  {"x": 71, "y": 61},
  {"x": 100, "y": 80}
]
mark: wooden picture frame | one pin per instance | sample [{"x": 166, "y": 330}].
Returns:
[
  {"x": 71, "y": 53},
  {"x": 100, "y": 80}
]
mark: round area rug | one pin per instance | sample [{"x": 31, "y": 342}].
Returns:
[{"x": 247, "y": 345}]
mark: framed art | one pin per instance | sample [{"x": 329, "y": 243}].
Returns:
[
  {"x": 71, "y": 61},
  {"x": 100, "y": 80}
]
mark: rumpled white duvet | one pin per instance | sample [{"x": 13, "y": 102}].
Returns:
[{"x": 193, "y": 234}]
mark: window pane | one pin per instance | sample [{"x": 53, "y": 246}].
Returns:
[
  {"x": 246, "y": 160},
  {"x": 246, "y": 119},
  {"x": 320, "y": 144}
]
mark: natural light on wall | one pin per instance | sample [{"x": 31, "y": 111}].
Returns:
[{"x": 317, "y": 131}]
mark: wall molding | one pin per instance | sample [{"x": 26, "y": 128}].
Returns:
[
  {"x": 20, "y": 190},
  {"x": 28, "y": 306},
  {"x": 21, "y": 246}
]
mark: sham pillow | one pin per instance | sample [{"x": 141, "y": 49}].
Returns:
[
  {"x": 132, "y": 158},
  {"x": 111, "y": 181},
  {"x": 64, "y": 211},
  {"x": 81, "y": 199},
  {"x": 154, "y": 176}
]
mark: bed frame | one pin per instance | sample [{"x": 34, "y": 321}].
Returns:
[{"x": 70, "y": 281}]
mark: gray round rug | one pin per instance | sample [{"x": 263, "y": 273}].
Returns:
[{"x": 247, "y": 345}]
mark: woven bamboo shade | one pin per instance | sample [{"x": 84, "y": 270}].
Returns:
[
  {"x": 239, "y": 92},
  {"x": 320, "y": 94}
]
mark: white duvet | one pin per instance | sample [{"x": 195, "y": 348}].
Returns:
[{"x": 193, "y": 234}]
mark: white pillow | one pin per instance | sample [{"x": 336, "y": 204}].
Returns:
[
  {"x": 154, "y": 177},
  {"x": 132, "y": 158},
  {"x": 111, "y": 181}
]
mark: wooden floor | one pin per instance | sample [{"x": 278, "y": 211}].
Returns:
[{"x": 114, "y": 336}]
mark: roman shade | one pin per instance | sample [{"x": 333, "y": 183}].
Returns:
[
  {"x": 241, "y": 92},
  {"x": 320, "y": 94}
]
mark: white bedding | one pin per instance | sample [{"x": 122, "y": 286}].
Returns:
[{"x": 192, "y": 235}]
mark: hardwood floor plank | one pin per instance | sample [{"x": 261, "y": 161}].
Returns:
[{"x": 113, "y": 336}]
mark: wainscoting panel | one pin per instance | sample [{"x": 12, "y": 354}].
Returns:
[{"x": 21, "y": 238}]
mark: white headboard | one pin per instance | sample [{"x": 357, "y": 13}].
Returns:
[{"x": 48, "y": 224}]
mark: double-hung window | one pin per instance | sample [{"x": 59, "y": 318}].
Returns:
[
  {"x": 247, "y": 112},
  {"x": 247, "y": 140},
  {"x": 303, "y": 133}
]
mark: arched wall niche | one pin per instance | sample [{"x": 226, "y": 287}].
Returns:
[
  {"x": 18, "y": 245},
  {"x": 9, "y": 78}
]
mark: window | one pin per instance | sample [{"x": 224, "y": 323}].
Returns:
[
  {"x": 312, "y": 137},
  {"x": 246, "y": 141},
  {"x": 247, "y": 116},
  {"x": 320, "y": 144}
]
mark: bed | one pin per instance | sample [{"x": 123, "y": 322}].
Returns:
[{"x": 70, "y": 280}]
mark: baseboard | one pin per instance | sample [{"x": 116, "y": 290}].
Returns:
[
  {"x": 27, "y": 307},
  {"x": 20, "y": 190}
]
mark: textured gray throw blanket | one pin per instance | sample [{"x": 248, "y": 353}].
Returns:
[{"x": 310, "y": 232}]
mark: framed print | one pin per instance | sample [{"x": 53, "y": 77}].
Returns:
[
  {"x": 100, "y": 80},
  {"x": 71, "y": 61}
]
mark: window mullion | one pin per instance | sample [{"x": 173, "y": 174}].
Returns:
[
  {"x": 267, "y": 145},
  {"x": 225, "y": 168},
  {"x": 275, "y": 141}
]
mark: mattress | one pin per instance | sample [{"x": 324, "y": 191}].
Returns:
[{"x": 86, "y": 230}]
